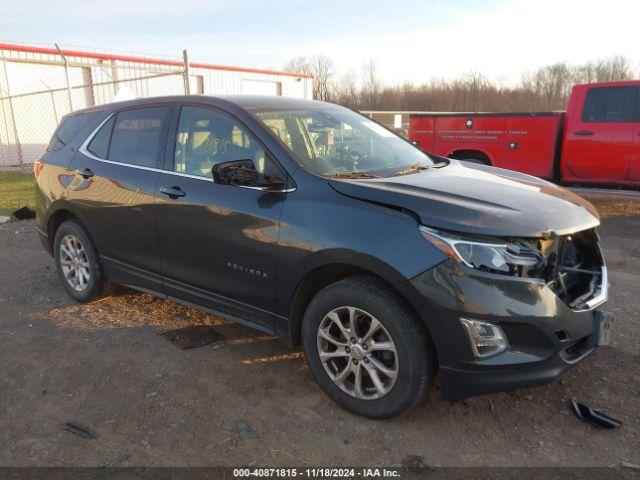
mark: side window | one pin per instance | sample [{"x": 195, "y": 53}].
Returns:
[
  {"x": 207, "y": 137},
  {"x": 99, "y": 145},
  {"x": 609, "y": 105},
  {"x": 278, "y": 126},
  {"x": 69, "y": 128},
  {"x": 290, "y": 130},
  {"x": 137, "y": 136}
]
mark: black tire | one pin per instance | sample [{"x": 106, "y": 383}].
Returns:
[
  {"x": 415, "y": 352},
  {"x": 95, "y": 285},
  {"x": 473, "y": 160},
  {"x": 471, "y": 157}
]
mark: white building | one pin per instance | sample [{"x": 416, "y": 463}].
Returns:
[{"x": 36, "y": 89}]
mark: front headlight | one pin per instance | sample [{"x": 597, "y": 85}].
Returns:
[{"x": 499, "y": 256}]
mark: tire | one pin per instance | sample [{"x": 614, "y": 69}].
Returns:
[
  {"x": 464, "y": 158},
  {"x": 76, "y": 241},
  {"x": 413, "y": 363},
  {"x": 473, "y": 160},
  {"x": 470, "y": 157}
]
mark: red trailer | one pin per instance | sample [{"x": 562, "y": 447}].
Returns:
[{"x": 596, "y": 141}]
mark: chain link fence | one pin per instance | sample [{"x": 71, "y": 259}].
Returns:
[{"x": 38, "y": 88}]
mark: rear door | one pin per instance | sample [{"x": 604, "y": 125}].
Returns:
[
  {"x": 599, "y": 138},
  {"x": 218, "y": 242},
  {"x": 116, "y": 173}
]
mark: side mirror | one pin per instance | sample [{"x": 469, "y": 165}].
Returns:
[{"x": 243, "y": 173}]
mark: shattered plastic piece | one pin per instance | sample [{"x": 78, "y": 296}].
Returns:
[
  {"x": 192, "y": 337},
  {"x": 24, "y": 213},
  {"x": 630, "y": 465},
  {"x": 79, "y": 430},
  {"x": 589, "y": 415}
]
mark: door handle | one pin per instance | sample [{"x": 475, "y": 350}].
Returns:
[
  {"x": 86, "y": 173},
  {"x": 173, "y": 192},
  {"x": 583, "y": 133}
]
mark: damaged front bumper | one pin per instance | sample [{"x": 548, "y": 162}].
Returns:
[{"x": 547, "y": 333}]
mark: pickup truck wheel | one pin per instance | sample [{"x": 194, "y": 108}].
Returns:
[
  {"x": 366, "y": 349},
  {"x": 471, "y": 157},
  {"x": 77, "y": 262}
]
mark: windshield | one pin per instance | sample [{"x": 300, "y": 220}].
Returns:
[{"x": 337, "y": 142}]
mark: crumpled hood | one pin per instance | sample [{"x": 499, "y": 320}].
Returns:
[{"x": 479, "y": 199}]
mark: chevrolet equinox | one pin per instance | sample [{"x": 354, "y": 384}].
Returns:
[{"x": 311, "y": 222}]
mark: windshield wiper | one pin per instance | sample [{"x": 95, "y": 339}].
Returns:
[
  {"x": 418, "y": 167},
  {"x": 353, "y": 175}
]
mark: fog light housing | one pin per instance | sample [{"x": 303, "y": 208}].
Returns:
[{"x": 487, "y": 339}]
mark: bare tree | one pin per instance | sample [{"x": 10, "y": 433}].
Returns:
[
  {"x": 346, "y": 90},
  {"x": 322, "y": 70},
  {"x": 612, "y": 69},
  {"x": 320, "y": 67},
  {"x": 370, "y": 85},
  {"x": 546, "y": 88},
  {"x": 298, "y": 65}
]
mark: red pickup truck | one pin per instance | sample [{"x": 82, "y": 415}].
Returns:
[{"x": 596, "y": 141}]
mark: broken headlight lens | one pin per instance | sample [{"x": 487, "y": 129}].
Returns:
[{"x": 500, "y": 256}]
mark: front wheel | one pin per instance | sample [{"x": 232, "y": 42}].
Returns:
[{"x": 366, "y": 349}]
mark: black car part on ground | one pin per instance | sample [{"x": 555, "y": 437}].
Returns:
[{"x": 594, "y": 417}]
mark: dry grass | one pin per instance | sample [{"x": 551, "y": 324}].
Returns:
[{"x": 16, "y": 190}]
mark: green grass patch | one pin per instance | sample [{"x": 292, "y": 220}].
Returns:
[{"x": 16, "y": 190}]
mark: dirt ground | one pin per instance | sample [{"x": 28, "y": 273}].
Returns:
[{"x": 249, "y": 400}]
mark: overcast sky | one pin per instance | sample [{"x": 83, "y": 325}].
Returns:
[{"x": 416, "y": 40}]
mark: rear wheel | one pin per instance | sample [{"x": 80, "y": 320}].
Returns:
[
  {"x": 77, "y": 262},
  {"x": 367, "y": 350},
  {"x": 471, "y": 156}
]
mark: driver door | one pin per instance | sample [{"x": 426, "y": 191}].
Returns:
[{"x": 218, "y": 242}]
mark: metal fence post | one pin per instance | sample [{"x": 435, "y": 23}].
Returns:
[
  {"x": 187, "y": 84},
  {"x": 12, "y": 113},
  {"x": 66, "y": 74}
]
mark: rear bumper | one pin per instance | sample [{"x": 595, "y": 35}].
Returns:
[{"x": 545, "y": 336}]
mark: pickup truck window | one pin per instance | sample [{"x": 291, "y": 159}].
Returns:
[
  {"x": 337, "y": 142},
  {"x": 609, "y": 105}
]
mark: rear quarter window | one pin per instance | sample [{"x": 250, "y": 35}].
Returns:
[
  {"x": 69, "y": 128},
  {"x": 99, "y": 145}
]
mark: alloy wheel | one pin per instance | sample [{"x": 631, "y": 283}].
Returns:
[
  {"x": 74, "y": 263},
  {"x": 357, "y": 353}
]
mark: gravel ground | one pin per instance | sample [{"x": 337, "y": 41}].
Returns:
[{"x": 249, "y": 400}]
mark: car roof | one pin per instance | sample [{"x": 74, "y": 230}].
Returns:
[{"x": 243, "y": 101}]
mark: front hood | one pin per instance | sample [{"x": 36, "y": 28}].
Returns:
[{"x": 471, "y": 198}]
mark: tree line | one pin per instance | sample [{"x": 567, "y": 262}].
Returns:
[{"x": 546, "y": 88}]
